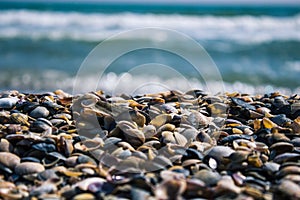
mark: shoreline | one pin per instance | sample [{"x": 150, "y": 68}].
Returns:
[{"x": 167, "y": 145}]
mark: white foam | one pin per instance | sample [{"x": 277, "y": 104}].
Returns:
[
  {"x": 117, "y": 84},
  {"x": 96, "y": 27}
]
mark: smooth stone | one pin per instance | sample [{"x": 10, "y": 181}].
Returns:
[
  {"x": 29, "y": 168},
  {"x": 9, "y": 160},
  {"x": 7, "y": 103},
  {"x": 39, "y": 112}
]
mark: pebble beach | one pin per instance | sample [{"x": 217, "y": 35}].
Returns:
[
  {"x": 168, "y": 145},
  {"x": 154, "y": 100}
]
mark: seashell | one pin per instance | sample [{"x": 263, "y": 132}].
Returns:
[
  {"x": 170, "y": 189},
  {"x": 132, "y": 116},
  {"x": 190, "y": 163},
  {"x": 87, "y": 103},
  {"x": 8, "y": 103},
  {"x": 126, "y": 125},
  {"x": 44, "y": 188},
  {"x": 167, "y": 108},
  {"x": 108, "y": 160},
  {"x": 84, "y": 184},
  {"x": 4, "y": 117},
  {"x": 257, "y": 124},
  {"x": 162, "y": 161},
  {"x": 243, "y": 104},
  {"x": 140, "y": 155},
  {"x": 226, "y": 185},
  {"x": 28, "y": 168},
  {"x": 179, "y": 169},
  {"x": 72, "y": 173},
  {"x": 255, "y": 115},
  {"x": 231, "y": 138},
  {"x": 109, "y": 123},
  {"x": 126, "y": 145},
  {"x": 7, "y": 185},
  {"x": 268, "y": 123},
  {"x": 217, "y": 109},
  {"x": 280, "y": 119},
  {"x": 58, "y": 122},
  {"x": 196, "y": 188},
  {"x": 180, "y": 139},
  {"x": 148, "y": 150},
  {"x": 160, "y": 120},
  {"x": 89, "y": 145},
  {"x": 237, "y": 131},
  {"x": 65, "y": 146},
  {"x": 9, "y": 160},
  {"x": 87, "y": 196},
  {"x": 255, "y": 160},
  {"x": 189, "y": 133},
  {"x": 71, "y": 161},
  {"x": 212, "y": 99},
  {"x": 130, "y": 162},
  {"x": 210, "y": 178},
  {"x": 149, "y": 131},
  {"x": 215, "y": 157},
  {"x": 47, "y": 174},
  {"x": 197, "y": 93},
  {"x": 263, "y": 110},
  {"x": 296, "y": 125},
  {"x": 166, "y": 127},
  {"x": 40, "y": 125},
  {"x": 134, "y": 137},
  {"x": 153, "y": 143},
  {"x": 111, "y": 143},
  {"x": 86, "y": 159},
  {"x": 279, "y": 101},
  {"x": 253, "y": 191},
  {"x": 39, "y": 112},
  {"x": 239, "y": 156},
  {"x": 191, "y": 154},
  {"x": 204, "y": 137},
  {"x": 19, "y": 118},
  {"x": 197, "y": 119},
  {"x": 168, "y": 137}
]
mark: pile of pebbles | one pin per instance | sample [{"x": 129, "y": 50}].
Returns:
[{"x": 169, "y": 145}]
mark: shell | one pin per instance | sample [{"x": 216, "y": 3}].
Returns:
[
  {"x": 160, "y": 120},
  {"x": 134, "y": 137},
  {"x": 197, "y": 119},
  {"x": 20, "y": 118}
]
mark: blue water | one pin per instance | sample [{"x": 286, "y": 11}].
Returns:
[{"x": 42, "y": 45}]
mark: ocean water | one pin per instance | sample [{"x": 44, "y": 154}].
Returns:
[{"x": 44, "y": 45}]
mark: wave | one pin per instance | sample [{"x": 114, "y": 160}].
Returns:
[
  {"x": 114, "y": 84},
  {"x": 96, "y": 27}
]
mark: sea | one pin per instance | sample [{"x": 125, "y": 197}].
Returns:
[{"x": 47, "y": 45}]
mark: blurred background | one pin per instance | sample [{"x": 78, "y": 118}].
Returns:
[{"x": 256, "y": 46}]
